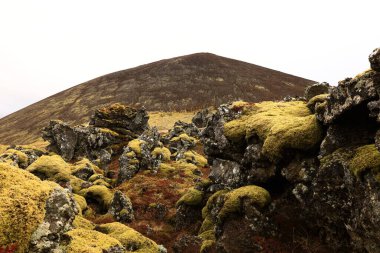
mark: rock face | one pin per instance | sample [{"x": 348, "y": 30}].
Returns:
[
  {"x": 318, "y": 160},
  {"x": 110, "y": 128}
]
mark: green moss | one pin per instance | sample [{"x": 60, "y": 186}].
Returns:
[
  {"x": 192, "y": 197},
  {"x": 135, "y": 146},
  {"x": 90, "y": 241},
  {"x": 22, "y": 205},
  {"x": 22, "y": 158},
  {"x": 194, "y": 157},
  {"x": 129, "y": 238},
  {"x": 280, "y": 125},
  {"x": 102, "y": 194},
  {"x": 80, "y": 222},
  {"x": 164, "y": 152},
  {"x": 365, "y": 158},
  {"x": 233, "y": 200}
]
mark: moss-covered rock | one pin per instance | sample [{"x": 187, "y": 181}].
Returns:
[
  {"x": 100, "y": 193},
  {"x": 193, "y": 157},
  {"x": 31, "y": 209},
  {"x": 280, "y": 125},
  {"x": 50, "y": 167},
  {"x": 255, "y": 195},
  {"x": 135, "y": 146},
  {"x": 15, "y": 158},
  {"x": 192, "y": 197},
  {"x": 91, "y": 241},
  {"x": 83, "y": 223},
  {"x": 163, "y": 152},
  {"x": 22, "y": 205},
  {"x": 132, "y": 240},
  {"x": 365, "y": 158}
]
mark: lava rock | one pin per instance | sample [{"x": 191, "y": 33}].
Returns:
[
  {"x": 227, "y": 173},
  {"x": 201, "y": 118},
  {"x": 374, "y": 59},
  {"x": 121, "y": 207},
  {"x": 120, "y": 118},
  {"x": 316, "y": 89},
  {"x": 60, "y": 213}
]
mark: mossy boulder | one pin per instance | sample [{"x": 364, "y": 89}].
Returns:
[
  {"x": 132, "y": 240},
  {"x": 192, "y": 197},
  {"x": 365, "y": 159},
  {"x": 91, "y": 241},
  {"x": 279, "y": 125},
  {"x": 31, "y": 209},
  {"x": 233, "y": 200}
]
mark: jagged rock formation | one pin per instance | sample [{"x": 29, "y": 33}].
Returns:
[
  {"x": 110, "y": 129},
  {"x": 183, "y": 83},
  {"x": 317, "y": 159}
]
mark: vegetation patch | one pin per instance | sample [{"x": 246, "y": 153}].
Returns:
[
  {"x": 365, "y": 158},
  {"x": 22, "y": 205},
  {"x": 192, "y": 197},
  {"x": 90, "y": 241},
  {"x": 280, "y": 125},
  {"x": 132, "y": 240}
]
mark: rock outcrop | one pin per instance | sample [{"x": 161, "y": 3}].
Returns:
[
  {"x": 110, "y": 128},
  {"x": 319, "y": 161}
]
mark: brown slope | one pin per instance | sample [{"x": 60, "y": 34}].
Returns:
[{"x": 182, "y": 83}]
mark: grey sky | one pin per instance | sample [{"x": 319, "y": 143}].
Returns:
[{"x": 47, "y": 46}]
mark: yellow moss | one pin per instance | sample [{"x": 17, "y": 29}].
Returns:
[
  {"x": 279, "y": 125},
  {"x": 131, "y": 154},
  {"x": 50, "y": 167},
  {"x": 206, "y": 245},
  {"x": 166, "y": 169},
  {"x": 3, "y": 148},
  {"x": 211, "y": 200},
  {"x": 22, "y": 205},
  {"x": 317, "y": 99},
  {"x": 85, "y": 163},
  {"x": 22, "y": 157},
  {"x": 108, "y": 131},
  {"x": 99, "y": 192},
  {"x": 233, "y": 200},
  {"x": 164, "y": 152},
  {"x": 135, "y": 146},
  {"x": 81, "y": 202},
  {"x": 129, "y": 238},
  {"x": 192, "y": 197},
  {"x": 80, "y": 222},
  {"x": 366, "y": 72},
  {"x": 89, "y": 241},
  {"x": 194, "y": 157},
  {"x": 365, "y": 158},
  {"x": 102, "y": 182},
  {"x": 184, "y": 137}
]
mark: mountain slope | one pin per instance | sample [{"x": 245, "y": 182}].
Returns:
[{"x": 183, "y": 83}]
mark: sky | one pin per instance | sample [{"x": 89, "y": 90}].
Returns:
[{"x": 47, "y": 46}]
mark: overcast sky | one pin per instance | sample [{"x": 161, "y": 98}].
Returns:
[{"x": 47, "y": 46}]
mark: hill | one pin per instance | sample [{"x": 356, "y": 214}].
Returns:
[{"x": 183, "y": 83}]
